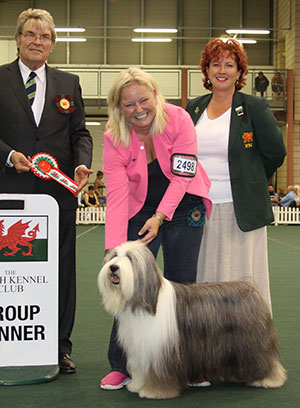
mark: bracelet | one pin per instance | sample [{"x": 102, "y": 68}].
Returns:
[{"x": 159, "y": 218}]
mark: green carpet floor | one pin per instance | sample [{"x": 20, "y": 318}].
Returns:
[{"x": 92, "y": 328}]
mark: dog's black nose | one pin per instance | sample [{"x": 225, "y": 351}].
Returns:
[
  {"x": 114, "y": 268},
  {"x": 115, "y": 278}
]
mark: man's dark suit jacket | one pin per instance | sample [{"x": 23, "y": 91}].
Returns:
[
  {"x": 255, "y": 151},
  {"x": 62, "y": 135}
]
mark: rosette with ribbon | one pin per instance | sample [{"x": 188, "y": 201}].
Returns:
[{"x": 44, "y": 166}]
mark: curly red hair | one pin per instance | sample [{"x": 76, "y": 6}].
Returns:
[{"x": 217, "y": 47}]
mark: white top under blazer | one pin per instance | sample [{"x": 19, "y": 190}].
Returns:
[{"x": 212, "y": 141}]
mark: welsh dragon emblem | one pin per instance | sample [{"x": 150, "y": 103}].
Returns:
[{"x": 16, "y": 238}]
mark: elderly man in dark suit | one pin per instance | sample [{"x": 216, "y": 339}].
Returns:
[{"x": 48, "y": 117}]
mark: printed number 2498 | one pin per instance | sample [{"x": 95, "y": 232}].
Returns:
[{"x": 185, "y": 165}]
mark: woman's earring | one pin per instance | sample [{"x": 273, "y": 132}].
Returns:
[{"x": 208, "y": 81}]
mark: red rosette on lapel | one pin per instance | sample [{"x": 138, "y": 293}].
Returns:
[{"x": 64, "y": 103}]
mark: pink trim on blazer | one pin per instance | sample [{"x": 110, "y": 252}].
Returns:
[{"x": 126, "y": 174}]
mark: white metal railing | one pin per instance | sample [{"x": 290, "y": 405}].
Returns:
[
  {"x": 286, "y": 215},
  {"x": 96, "y": 215},
  {"x": 90, "y": 215}
]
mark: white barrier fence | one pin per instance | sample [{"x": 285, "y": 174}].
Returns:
[
  {"x": 90, "y": 215},
  {"x": 286, "y": 215},
  {"x": 96, "y": 215}
]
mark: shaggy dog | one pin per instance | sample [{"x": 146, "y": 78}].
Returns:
[{"x": 174, "y": 334}]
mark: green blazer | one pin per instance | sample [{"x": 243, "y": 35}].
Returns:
[{"x": 256, "y": 149}]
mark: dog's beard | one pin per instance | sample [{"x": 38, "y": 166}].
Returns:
[{"x": 116, "y": 283}]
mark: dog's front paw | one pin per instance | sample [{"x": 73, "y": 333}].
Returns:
[
  {"x": 134, "y": 386},
  {"x": 152, "y": 393},
  {"x": 146, "y": 394}
]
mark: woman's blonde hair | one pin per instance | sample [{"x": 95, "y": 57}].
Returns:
[{"x": 117, "y": 124}]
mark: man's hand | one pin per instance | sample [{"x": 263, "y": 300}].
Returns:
[
  {"x": 81, "y": 176},
  {"x": 20, "y": 162}
]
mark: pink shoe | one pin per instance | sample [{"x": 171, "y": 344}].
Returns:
[
  {"x": 201, "y": 383},
  {"x": 114, "y": 381}
]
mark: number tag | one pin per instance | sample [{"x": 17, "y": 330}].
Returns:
[{"x": 184, "y": 165}]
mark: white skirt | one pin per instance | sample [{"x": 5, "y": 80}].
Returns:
[{"x": 228, "y": 254}]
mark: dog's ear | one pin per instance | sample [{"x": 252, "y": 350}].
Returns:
[
  {"x": 147, "y": 281},
  {"x": 151, "y": 289}
]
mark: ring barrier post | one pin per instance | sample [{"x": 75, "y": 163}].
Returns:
[{"x": 28, "y": 289}]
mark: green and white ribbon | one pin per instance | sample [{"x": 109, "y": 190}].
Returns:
[{"x": 46, "y": 167}]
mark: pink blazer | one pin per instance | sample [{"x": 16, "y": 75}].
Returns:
[{"x": 126, "y": 174}]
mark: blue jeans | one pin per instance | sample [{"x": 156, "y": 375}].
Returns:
[{"x": 180, "y": 240}]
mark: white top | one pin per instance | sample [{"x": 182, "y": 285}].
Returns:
[{"x": 212, "y": 139}]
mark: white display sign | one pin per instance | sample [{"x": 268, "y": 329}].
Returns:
[{"x": 28, "y": 280}]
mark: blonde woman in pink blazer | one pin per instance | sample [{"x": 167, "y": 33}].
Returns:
[{"x": 157, "y": 191}]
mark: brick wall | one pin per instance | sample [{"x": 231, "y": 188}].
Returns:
[{"x": 287, "y": 55}]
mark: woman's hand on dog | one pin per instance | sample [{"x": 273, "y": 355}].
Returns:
[{"x": 150, "y": 228}]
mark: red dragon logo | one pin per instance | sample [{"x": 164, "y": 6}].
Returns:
[
  {"x": 16, "y": 236},
  {"x": 248, "y": 137}
]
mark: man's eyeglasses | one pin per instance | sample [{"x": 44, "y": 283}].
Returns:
[{"x": 31, "y": 37}]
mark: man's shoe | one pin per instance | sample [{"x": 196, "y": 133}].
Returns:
[
  {"x": 66, "y": 364},
  {"x": 201, "y": 383},
  {"x": 114, "y": 381}
]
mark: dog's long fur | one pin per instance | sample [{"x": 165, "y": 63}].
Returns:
[{"x": 173, "y": 334}]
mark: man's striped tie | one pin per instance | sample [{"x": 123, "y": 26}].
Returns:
[{"x": 30, "y": 87}]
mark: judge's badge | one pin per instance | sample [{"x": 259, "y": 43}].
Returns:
[{"x": 239, "y": 111}]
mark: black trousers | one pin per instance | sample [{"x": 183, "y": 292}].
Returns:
[{"x": 67, "y": 278}]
